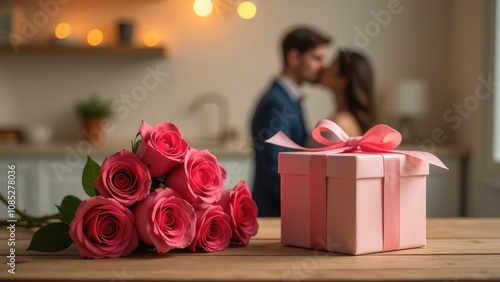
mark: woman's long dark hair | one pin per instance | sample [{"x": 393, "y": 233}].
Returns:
[{"x": 359, "y": 90}]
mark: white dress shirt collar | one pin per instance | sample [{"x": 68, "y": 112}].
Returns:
[{"x": 290, "y": 87}]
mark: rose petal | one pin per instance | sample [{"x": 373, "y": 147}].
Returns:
[{"x": 103, "y": 228}]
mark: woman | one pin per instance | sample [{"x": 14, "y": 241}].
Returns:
[{"x": 351, "y": 80}]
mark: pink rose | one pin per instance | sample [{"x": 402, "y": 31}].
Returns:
[
  {"x": 213, "y": 232},
  {"x": 165, "y": 220},
  {"x": 242, "y": 211},
  {"x": 124, "y": 178},
  {"x": 162, "y": 147},
  {"x": 103, "y": 228},
  {"x": 200, "y": 180}
]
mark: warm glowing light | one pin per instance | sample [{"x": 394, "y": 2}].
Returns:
[
  {"x": 151, "y": 38},
  {"x": 247, "y": 10},
  {"x": 95, "y": 37},
  {"x": 62, "y": 30},
  {"x": 203, "y": 8}
]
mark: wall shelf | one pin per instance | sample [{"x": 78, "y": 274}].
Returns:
[{"x": 84, "y": 50}]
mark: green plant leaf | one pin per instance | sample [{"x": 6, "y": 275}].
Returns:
[
  {"x": 89, "y": 176},
  {"x": 94, "y": 107},
  {"x": 135, "y": 146},
  {"x": 52, "y": 237},
  {"x": 136, "y": 143},
  {"x": 68, "y": 208}
]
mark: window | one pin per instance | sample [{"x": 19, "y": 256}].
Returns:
[
  {"x": 496, "y": 125},
  {"x": 496, "y": 94}
]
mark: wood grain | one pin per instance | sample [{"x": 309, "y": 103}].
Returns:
[
  {"x": 269, "y": 228},
  {"x": 457, "y": 250},
  {"x": 273, "y": 247}
]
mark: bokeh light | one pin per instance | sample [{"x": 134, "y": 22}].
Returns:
[
  {"x": 62, "y": 30},
  {"x": 247, "y": 10},
  {"x": 95, "y": 37},
  {"x": 203, "y": 8},
  {"x": 151, "y": 38}
]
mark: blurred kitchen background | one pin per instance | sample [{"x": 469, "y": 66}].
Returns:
[{"x": 204, "y": 64}]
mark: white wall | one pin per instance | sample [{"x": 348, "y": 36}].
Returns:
[{"x": 225, "y": 54}]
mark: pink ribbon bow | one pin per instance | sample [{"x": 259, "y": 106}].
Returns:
[{"x": 380, "y": 138}]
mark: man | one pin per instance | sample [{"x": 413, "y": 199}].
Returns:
[{"x": 280, "y": 109}]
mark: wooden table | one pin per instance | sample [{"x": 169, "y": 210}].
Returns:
[{"x": 457, "y": 250}]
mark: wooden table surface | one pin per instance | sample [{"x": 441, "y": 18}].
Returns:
[{"x": 458, "y": 249}]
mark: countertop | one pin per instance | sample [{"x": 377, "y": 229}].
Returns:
[
  {"x": 234, "y": 149},
  {"x": 61, "y": 148},
  {"x": 458, "y": 249}
]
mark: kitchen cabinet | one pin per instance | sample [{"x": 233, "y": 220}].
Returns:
[
  {"x": 39, "y": 187},
  {"x": 53, "y": 188},
  {"x": 24, "y": 180},
  {"x": 445, "y": 188}
]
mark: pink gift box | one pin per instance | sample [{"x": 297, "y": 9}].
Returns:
[{"x": 361, "y": 203}]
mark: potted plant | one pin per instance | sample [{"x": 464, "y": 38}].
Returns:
[{"x": 93, "y": 112}]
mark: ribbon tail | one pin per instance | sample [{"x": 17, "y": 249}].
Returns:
[
  {"x": 280, "y": 139},
  {"x": 424, "y": 156}
]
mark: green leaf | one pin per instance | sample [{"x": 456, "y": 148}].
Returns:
[
  {"x": 89, "y": 176},
  {"x": 53, "y": 237},
  {"x": 135, "y": 146},
  {"x": 136, "y": 143},
  {"x": 68, "y": 208}
]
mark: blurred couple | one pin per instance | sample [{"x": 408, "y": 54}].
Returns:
[{"x": 348, "y": 77}]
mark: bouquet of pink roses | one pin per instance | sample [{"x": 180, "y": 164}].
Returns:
[{"x": 162, "y": 193}]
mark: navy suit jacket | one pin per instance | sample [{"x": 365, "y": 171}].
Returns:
[{"x": 276, "y": 111}]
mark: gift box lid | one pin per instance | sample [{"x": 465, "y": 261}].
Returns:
[{"x": 350, "y": 165}]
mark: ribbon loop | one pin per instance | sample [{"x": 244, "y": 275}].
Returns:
[
  {"x": 381, "y": 139},
  {"x": 328, "y": 126}
]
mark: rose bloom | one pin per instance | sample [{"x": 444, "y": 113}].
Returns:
[
  {"x": 124, "y": 178},
  {"x": 165, "y": 220},
  {"x": 103, "y": 228},
  {"x": 242, "y": 211},
  {"x": 200, "y": 180},
  {"x": 213, "y": 232},
  {"x": 162, "y": 147}
]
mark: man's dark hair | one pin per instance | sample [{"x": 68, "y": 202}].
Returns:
[{"x": 302, "y": 39}]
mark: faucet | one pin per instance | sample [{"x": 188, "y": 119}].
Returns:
[{"x": 224, "y": 134}]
